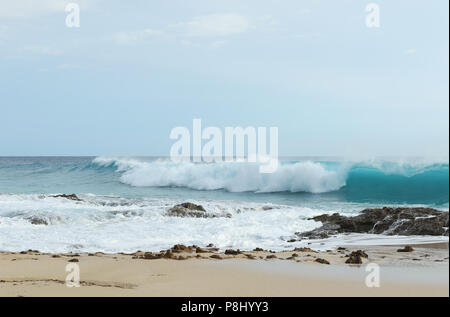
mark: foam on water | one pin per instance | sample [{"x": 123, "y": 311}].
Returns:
[
  {"x": 117, "y": 224},
  {"x": 114, "y": 224}
]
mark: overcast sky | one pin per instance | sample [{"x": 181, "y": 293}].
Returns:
[{"x": 136, "y": 69}]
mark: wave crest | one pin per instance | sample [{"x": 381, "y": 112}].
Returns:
[{"x": 304, "y": 176}]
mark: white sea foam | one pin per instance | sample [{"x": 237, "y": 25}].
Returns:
[
  {"x": 304, "y": 176},
  {"x": 116, "y": 224}
]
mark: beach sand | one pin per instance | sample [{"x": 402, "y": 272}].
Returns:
[{"x": 423, "y": 272}]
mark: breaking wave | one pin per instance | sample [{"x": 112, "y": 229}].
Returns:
[{"x": 375, "y": 179}]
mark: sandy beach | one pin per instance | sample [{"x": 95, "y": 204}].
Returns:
[{"x": 208, "y": 272}]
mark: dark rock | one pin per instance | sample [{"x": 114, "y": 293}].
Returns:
[
  {"x": 168, "y": 255},
  {"x": 406, "y": 249},
  {"x": 304, "y": 250},
  {"x": 70, "y": 197},
  {"x": 232, "y": 252},
  {"x": 192, "y": 206},
  {"x": 187, "y": 210},
  {"x": 292, "y": 240},
  {"x": 354, "y": 259},
  {"x": 73, "y": 260},
  {"x": 258, "y": 249},
  {"x": 322, "y": 261},
  {"x": 193, "y": 211},
  {"x": 389, "y": 221},
  {"x": 177, "y": 248},
  {"x": 271, "y": 256},
  {"x": 200, "y": 250},
  {"x": 216, "y": 256},
  {"x": 35, "y": 220},
  {"x": 290, "y": 258},
  {"x": 151, "y": 256},
  {"x": 359, "y": 253}
]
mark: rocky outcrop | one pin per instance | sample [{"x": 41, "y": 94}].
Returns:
[
  {"x": 192, "y": 210},
  {"x": 70, "y": 197},
  {"x": 388, "y": 221},
  {"x": 233, "y": 252},
  {"x": 187, "y": 210}
]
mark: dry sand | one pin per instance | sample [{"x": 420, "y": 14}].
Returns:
[{"x": 423, "y": 272}]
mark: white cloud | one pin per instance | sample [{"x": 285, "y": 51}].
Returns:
[
  {"x": 31, "y": 8},
  {"x": 267, "y": 20},
  {"x": 27, "y": 8},
  {"x": 134, "y": 37},
  {"x": 43, "y": 50},
  {"x": 410, "y": 51},
  {"x": 304, "y": 11},
  {"x": 209, "y": 30},
  {"x": 217, "y": 44},
  {"x": 214, "y": 25},
  {"x": 69, "y": 66}
]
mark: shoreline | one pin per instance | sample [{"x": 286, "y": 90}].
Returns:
[{"x": 206, "y": 271}]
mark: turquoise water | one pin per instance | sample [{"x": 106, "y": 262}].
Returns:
[
  {"x": 360, "y": 182},
  {"x": 125, "y": 201}
]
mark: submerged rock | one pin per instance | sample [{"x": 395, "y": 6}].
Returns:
[
  {"x": 192, "y": 210},
  {"x": 187, "y": 210},
  {"x": 44, "y": 219},
  {"x": 36, "y": 220},
  {"x": 389, "y": 221},
  {"x": 70, "y": 197}
]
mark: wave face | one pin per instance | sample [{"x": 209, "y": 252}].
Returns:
[
  {"x": 233, "y": 177},
  {"x": 383, "y": 181}
]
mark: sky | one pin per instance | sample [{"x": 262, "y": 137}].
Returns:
[{"x": 134, "y": 70}]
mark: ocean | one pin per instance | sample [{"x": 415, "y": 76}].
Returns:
[{"x": 125, "y": 200}]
